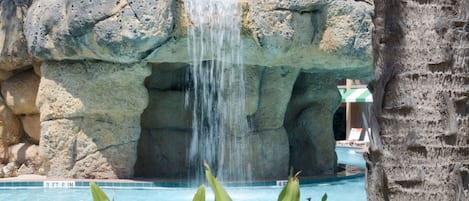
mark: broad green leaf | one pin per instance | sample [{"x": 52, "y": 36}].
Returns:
[
  {"x": 324, "y": 197},
  {"x": 291, "y": 191},
  {"x": 98, "y": 194},
  {"x": 200, "y": 194},
  {"x": 218, "y": 190}
]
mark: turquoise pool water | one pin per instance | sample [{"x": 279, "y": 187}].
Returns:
[
  {"x": 342, "y": 190},
  {"x": 350, "y": 156}
]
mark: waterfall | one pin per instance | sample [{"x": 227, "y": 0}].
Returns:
[{"x": 219, "y": 126}]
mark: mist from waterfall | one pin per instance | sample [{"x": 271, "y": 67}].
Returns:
[{"x": 217, "y": 93}]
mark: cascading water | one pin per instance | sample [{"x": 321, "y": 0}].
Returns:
[{"x": 219, "y": 125}]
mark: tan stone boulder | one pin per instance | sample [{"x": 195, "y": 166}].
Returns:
[
  {"x": 32, "y": 127},
  {"x": 10, "y": 170},
  {"x": 24, "y": 169},
  {"x": 10, "y": 126},
  {"x": 90, "y": 118},
  {"x": 24, "y": 153},
  {"x": 4, "y": 75},
  {"x": 20, "y": 92}
]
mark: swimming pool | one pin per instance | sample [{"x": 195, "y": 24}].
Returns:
[{"x": 344, "y": 190}]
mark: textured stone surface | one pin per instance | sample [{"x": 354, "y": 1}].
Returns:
[
  {"x": 24, "y": 153},
  {"x": 293, "y": 5},
  {"x": 420, "y": 144},
  {"x": 32, "y": 127},
  {"x": 89, "y": 147},
  {"x": 91, "y": 111},
  {"x": 69, "y": 90},
  {"x": 252, "y": 77},
  {"x": 166, "y": 110},
  {"x": 274, "y": 93},
  {"x": 168, "y": 76},
  {"x": 260, "y": 150},
  {"x": 311, "y": 35},
  {"x": 308, "y": 121},
  {"x": 13, "y": 47},
  {"x": 90, "y": 118},
  {"x": 24, "y": 169},
  {"x": 10, "y": 170},
  {"x": 347, "y": 29},
  {"x": 292, "y": 34},
  {"x": 4, "y": 75},
  {"x": 117, "y": 31},
  {"x": 163, "y": 153},
  {"x": 10, "y": 126},
  {"x": 20, "y": 92}
]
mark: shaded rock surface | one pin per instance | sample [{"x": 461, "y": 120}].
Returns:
[
  {"x": 255, "y": 148},
  {"x": 162, "y": 153},
  {"x": 20, "y": 92},
  {"x": 32, "y": 127},
  {"x": 167, "y": 110},
  {"x": 13, "y": 46},
  {"x": 308, "y": 121},
  {"x": 11, "y": 130},
  {"x": 25, "y": 154},
  {"x": 274, "y": 93}
]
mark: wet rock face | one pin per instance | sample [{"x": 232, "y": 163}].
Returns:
[
  {"x": 81, "y": 91},
  {"x": 332, "y": 36},
  {"x": 289, "y": 115},
  {"x": 309, "y": 35}
]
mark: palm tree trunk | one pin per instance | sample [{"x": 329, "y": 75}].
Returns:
[{"x": 420, "y": 144}]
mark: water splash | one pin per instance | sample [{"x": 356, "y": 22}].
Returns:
[{"x": 219, "y": 127}]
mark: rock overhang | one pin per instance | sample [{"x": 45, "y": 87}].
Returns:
[{"x": 314, "y": 35}]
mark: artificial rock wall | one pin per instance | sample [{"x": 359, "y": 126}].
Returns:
[{"x": 104, "y": 83}]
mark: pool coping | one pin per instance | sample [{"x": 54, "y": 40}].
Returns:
[
  {"x": 43, "y": 182},
  {"x": 36, "y": 181}
]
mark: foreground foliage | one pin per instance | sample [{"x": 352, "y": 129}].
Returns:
[
  {"x": 291, "y": 191},
  {"x": 98, "y": 194}
]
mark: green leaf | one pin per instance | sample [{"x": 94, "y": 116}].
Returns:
[
  {"x": 200, "y": 194},
  {"x": 324, "y": 197},
  {"x": 98, "y": 194},
  {"x": 291, "y": 191},
  {"x": 218, "y": 190}
]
